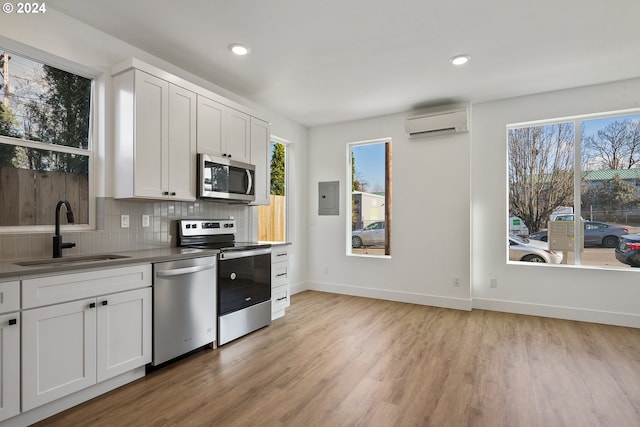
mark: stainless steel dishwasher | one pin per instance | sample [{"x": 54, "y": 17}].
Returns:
[{"x": 184, "y": 307}]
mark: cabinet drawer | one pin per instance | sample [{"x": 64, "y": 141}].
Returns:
[
  {"x": 279, "y": 298},
  {"x": 9, "y": 296},
  {"x": 279, "y": 274},
  {"x": 279, "y": 254},
  {"x": 89, "y": 283}
]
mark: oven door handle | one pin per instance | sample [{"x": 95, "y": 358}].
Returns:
[
  {"x": 185, "y": 270},
  {"x": 244, "y": 254}
]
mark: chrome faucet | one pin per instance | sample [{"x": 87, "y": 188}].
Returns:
[{"x": 58, "y": 246}]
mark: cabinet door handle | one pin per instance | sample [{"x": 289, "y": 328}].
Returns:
[
  {"x": 166, "y": 193},
  {"x": 13, "y": 322},
  {"x": 92, "y": 305},
  {"x": 173, "y": 193},
  {"x": 105, "y": 302},
  {"x": 281, "y": 274}
]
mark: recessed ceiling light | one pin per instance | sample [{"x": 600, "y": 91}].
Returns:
[
  {"x": 460, "y": 59},
  {"x": 239, "y": 49}
]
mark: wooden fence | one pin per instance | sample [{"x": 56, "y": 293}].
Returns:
[
  {"x": 29, "y": 197},
  {"x": 271, "y": 223}
]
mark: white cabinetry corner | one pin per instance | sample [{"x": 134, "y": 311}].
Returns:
[
  {"x": 103, "y": 329},
  {"x": 155, "y": 131},
  {"x": 280, "y": 294},
  {"x": 9, "y": 349},
  {"x": 260, "y": 153}
]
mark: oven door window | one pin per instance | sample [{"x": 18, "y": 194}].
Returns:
[{"x": 243, "y": 282}]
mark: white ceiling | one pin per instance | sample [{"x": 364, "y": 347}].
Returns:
[{"x": 325, "y": 61}]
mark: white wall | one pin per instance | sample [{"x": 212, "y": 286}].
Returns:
[
  {"x": 58, "y": 39},
  {"x": 430, "y": 234},
  {"x": 591, "y": 294}
]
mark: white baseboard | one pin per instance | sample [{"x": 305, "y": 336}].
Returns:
[
  {"x": 384, "y": 294},
  {"x": 559, "y": 312}
]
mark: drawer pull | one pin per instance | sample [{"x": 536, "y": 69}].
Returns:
[
  {"x": 92, "y": 305},
  {"x": 280, "y": 299},
  {"x": 281, "y": 254},
  {"x": 105, "y": 302},
  {"x": 281, "y": 275},
  {"x": 13, "y": 322}
]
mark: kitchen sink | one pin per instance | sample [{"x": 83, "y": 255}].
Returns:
[{"x": 69, "y": 260}]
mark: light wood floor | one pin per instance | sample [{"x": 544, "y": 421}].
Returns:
[{"x": 336, "y": 360}]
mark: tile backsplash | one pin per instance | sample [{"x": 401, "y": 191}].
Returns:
[{"x": 110, "y": 237}]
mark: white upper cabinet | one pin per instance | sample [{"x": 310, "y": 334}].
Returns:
[
  {"x": 163, "y": 121},
  {"x": 260, "y": 144},
  {"x": 210, "y": 130},
  {"x": 155, "y": 138},
  {"x": 181, "y": 161},
  {"x": 223, "y": 131}
]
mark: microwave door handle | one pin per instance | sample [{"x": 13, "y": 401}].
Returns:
[{"x": 250, "y": 186}]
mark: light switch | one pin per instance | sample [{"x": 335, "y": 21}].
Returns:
[
  {"x": 124, "y": 221},
  {"x": 145, "y": 220}
]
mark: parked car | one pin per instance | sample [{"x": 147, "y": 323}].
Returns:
[
  {"x": 628, "y": 250},
  {"x": 595, "y": 234},
  {"x": 522, "y": 249},
  {"x": 371, "y": 235},
  {"x": 564, "y": 217}
]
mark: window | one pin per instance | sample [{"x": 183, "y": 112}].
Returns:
[
  {"x": 369, "y": 171},
  {"x": 45, "y": 150},
  {"x": 582, "y": 169},
  {"x": 272, "y": 218}
]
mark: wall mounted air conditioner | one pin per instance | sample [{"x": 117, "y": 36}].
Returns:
[{"x": 440, "y": 123}]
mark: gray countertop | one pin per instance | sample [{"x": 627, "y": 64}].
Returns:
[
  {"x": 265, "y": 242},
  {"x": 10, "y": 269}
]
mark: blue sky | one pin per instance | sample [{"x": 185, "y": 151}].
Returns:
[
  {"x": 593, "y": 126},
  {"x": 369, "y": 159}
]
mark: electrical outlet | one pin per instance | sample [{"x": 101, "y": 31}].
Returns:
[
  {"x": 456, "y": 281},
  {"x": 493, "y": 282},
  {"x": 124, "y": 221},
  {"x": 145, "y": 220}
]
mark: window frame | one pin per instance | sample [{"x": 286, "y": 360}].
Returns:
[
  {"x": 95, "y": 108},
  {"x": 576, "y": 120},
  {"x": 349, "y": 196}
]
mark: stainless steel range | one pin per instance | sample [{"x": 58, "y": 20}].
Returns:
[{"x": 244, "y": 276}]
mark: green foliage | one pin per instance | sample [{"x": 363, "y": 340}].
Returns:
[
  {"x": 62, "y": 117},
  {"x": 8, "y": 124},
  {"x": 278, "y": 170},
  {"x": 612, "y": 195},
  {"x": 356, "y": 184}
]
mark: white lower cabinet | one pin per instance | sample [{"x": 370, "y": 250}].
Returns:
[
  {"x": 69, "y": 346},
  {"x": 58, "y": 351},
  {"x": 280, "y": 297},
  {"x": 9, "y": 365},
  {"x": 124, "y": 332}
]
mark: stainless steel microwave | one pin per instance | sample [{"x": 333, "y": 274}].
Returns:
[{"x": 223, "y": 178}]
